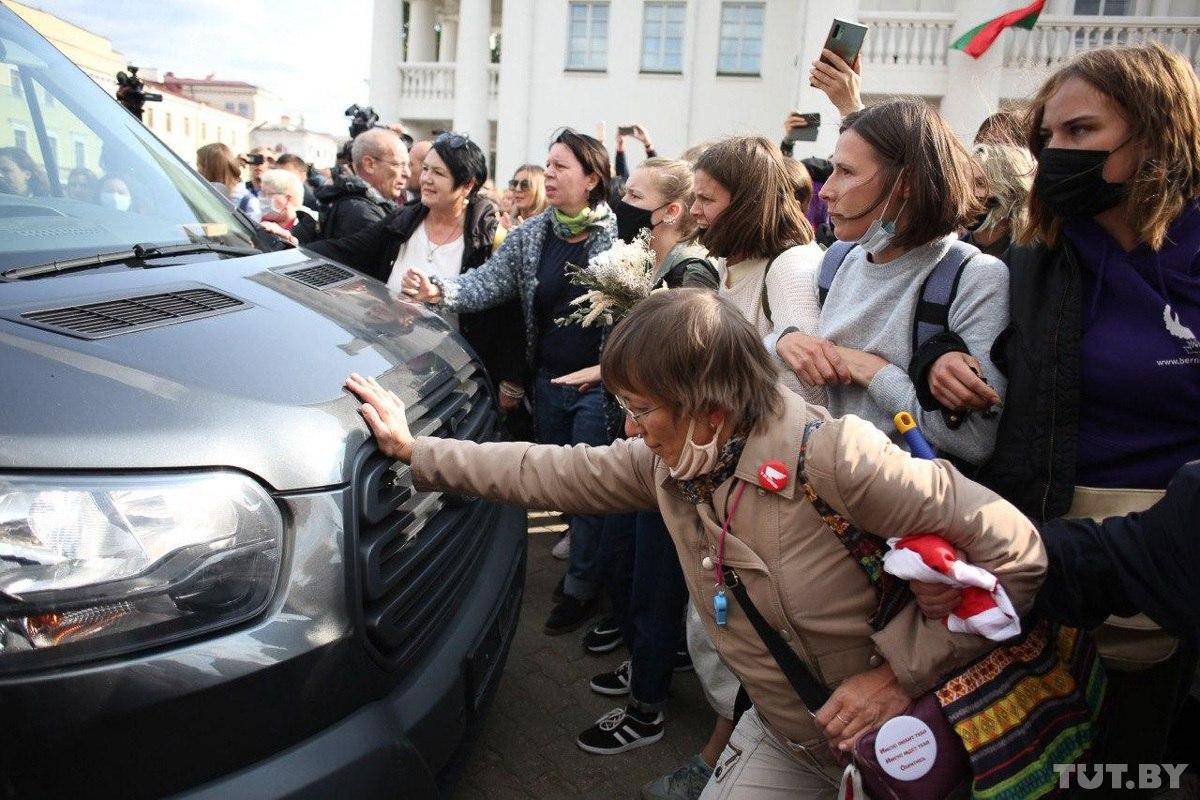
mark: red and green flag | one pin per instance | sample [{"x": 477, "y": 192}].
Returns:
[{"x": 976, "y": 41}]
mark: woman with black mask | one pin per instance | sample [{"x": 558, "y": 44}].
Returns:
[{"x": 1101, "y": 354}]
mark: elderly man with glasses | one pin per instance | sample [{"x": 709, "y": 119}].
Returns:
[{"x": 381, "y": 169}]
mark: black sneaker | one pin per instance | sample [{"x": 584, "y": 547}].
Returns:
[
  {"x": 569, "y": 615},
  {"x": 619, "y": 730},
  {"x": 683, "y": 661},
  {"x": 603, "y": 637},
  {"x": 613, "y": 684},
  {"x": 560, "y": 589}
]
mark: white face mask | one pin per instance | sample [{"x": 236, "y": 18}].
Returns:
[
  {"x": 696, "y": 459},
  {"x": 120, "y": 202},
  {"x": 878, "y": 237}
]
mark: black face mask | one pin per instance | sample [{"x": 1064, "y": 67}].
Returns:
[
  {"x": 631, "y": 220},
  {"x": 1071, "y": 182},
  {"x": 991, "y": 203}
]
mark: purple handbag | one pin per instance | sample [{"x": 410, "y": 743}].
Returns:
[{"x": 928, "y": 749}]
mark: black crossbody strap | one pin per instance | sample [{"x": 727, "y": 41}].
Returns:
[{"x": 811, "y": 691}]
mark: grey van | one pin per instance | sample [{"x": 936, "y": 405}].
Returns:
[{"x": 212, "y": 584}]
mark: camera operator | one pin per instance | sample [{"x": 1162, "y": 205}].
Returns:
[{"x": 379, "y": 161}]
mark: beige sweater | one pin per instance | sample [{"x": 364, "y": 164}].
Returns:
[{"x": 792, "y": 295}]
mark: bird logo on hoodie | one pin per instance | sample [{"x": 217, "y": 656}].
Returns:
[{"x": 1180, "y": 331}]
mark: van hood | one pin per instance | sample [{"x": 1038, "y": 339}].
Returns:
[{"x": 258, "y": 387}]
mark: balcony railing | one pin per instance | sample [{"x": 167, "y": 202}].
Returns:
[
  {"x": 917, "y": 38},
  {"x": 1055, "y": 39},
  {"x": 911, "y": 38},
  {"x": 427, "y": 89},
  {"x": 425, "y": 81}
]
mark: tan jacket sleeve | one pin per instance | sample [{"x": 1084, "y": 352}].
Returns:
[
  {"x": 884, "y": 490},
  {"x": 578, "y": 479}
]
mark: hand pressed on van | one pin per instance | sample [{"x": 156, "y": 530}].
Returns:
[
  {"x": 384, "y": 413},
  {"x": 416, "y": 284},
  {"x": 860, "y": 704}
]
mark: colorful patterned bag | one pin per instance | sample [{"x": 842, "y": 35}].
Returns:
[{"x": 1031, "y": 703}]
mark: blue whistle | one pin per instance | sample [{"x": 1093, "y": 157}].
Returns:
[
  {"x": 719, "y": 606},
  {"x": 918, "y": 445}
]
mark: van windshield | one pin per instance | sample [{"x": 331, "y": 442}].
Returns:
[{"x": 79, "y": 175}]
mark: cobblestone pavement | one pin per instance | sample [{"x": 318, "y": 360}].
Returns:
[{"x": 526, "y": 748}]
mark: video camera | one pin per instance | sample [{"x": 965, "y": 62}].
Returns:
[
  {"x": 131, "y": 92},
  {"x": 363, "y": 118}
]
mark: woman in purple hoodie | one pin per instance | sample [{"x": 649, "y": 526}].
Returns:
[{"x": 1102, "y": 353}]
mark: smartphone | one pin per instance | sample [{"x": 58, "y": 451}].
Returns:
[
  {"x": 846, "y": 39},
  {"x": 254, "y": 159},
  {"x": 809, "y": 132},
  {"x": 626, "y": 130}
]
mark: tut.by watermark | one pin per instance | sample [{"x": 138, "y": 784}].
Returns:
[{"x": 1119, "y": 776}]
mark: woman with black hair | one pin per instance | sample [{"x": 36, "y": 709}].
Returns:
[
  {"x": 531, "y": 266},
  {"x": 449, "y": 231}
]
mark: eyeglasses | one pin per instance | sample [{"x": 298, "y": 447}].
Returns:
[
  {"x": 519, "y": 185},
  {"x": 636, "y": 417},
  {"x": 453, "y": 140}
]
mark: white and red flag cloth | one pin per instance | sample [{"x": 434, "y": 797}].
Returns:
[{"x": 984, "y": 610}]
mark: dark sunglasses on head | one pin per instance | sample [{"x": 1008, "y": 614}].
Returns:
[{"x": 519, "y": 185}]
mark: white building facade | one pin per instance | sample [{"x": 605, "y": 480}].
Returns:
[
  {"x": 692, "y": 70},
  {"x": 317, "y": 149}
]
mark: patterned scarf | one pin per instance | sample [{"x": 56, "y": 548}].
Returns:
[
  {"x": 565, "y": 227},
  {"x": 700, "y": 489}
]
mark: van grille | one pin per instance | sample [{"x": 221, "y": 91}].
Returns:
[
  {"x": 319, "y": 275},
  {"x": 128, "y": 314},
  {"x": 415, "y": 549}
]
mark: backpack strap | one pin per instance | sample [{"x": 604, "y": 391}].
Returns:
[
  {"x": 763, "y": 301},
  {"x": 866, "y": 549},
  {"x": 932, "y": 314},
  {"x": 830, "y": 262}
]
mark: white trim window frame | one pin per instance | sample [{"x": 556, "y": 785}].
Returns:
[
  {"x": 740, "y": 46},
  {"x": 664, "y": 25},
  {"x": 587, "y": 36}
]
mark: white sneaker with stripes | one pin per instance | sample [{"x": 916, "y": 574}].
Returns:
[{"x": 621, "y": 729}]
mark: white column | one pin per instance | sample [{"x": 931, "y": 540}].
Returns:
[
  {"x": 973, "y": 91},
  {"x": 448, "y": 44},
  {"x": 470, "y": 71},
  {"x": 422, "y": 39},
  {"x": 386, "y": 43},
  {"x": 1160, "y": 8},
  {"x": 516, "y": 80}
]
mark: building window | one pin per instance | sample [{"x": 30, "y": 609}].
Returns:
[
  {"x": 230, "y": 106},
  {"x": 741, "y": 39},
  {"x": 1104, "y": 8},
  {"x": 662, "y": 36},
  {"x": 18, "y": 88},
  {"x": 204, "y": 131},
  {"x": 243, "y": 109},
  {"x": 80, "y": 154},
  {"x": 187, "y": 127},
  {"x": 587, "y": 41},
  {"x": 21, "y": 139},
  {"x": 149, "y": 115},
  {"x": 168, "y": 121}
]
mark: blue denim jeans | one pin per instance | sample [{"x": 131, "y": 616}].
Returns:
[
  {"x": 649, "y": 597},
  {"x": 564, "y": 415}
]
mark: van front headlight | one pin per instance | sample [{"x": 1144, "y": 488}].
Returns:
[{"x": 92, "y": 566}]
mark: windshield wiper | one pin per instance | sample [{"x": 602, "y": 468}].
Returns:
[{"x": 139, "y": 252}]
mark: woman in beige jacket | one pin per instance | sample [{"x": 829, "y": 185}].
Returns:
[{"x": 706, "y": 414}]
